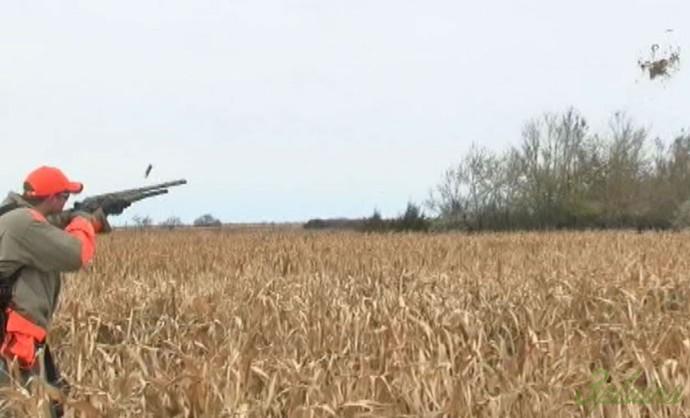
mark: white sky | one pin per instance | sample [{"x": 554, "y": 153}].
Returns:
[{"x": 288, "y": 110}]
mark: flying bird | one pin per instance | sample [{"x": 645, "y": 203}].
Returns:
[{"x": 148, "y": 171}]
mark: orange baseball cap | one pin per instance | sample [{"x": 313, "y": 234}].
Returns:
[{"x": 47, "y": 181}]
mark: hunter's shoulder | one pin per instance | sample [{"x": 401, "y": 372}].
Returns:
[
  {"x": 17, "y": 215},
  {"x": 19, "y": 219},
  {"x": 15, "y": 208}
]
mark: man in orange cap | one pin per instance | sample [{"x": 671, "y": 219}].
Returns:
[{"x": 38, "y": 242}]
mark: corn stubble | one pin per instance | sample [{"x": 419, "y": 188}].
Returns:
[{"x": 297, "y": 324}]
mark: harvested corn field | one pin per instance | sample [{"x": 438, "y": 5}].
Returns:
[{"x": 295, "y": 324}]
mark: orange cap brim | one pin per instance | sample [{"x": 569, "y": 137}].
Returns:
[{"x": 75, "y": 187}]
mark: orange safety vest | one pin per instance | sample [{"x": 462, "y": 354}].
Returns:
[{"x": 21, "y": 338}]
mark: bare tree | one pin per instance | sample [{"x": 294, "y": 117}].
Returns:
[
  {"x": 172, "y": 223},
  {"x": 553, "y": 160},
  {"x": 207, "y": 220},
  {"x": 142, "y": 221},
  {"x": 626, "y": 169}
]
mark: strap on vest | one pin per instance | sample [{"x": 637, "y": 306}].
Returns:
[
  {"x": 8, "y": 208},
  {"x": 6, "y": 287},
  {"x": 7, "y": 283}
]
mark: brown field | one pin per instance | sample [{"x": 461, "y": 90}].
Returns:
[{"x": 296, "y": 324}]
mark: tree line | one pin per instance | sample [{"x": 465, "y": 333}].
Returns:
[
  {"x": 560, "y": 176},
  {"x": 412, "y": 219},
  {"x": 173, "y": 222},
  {"x": 563, "y": 176}
]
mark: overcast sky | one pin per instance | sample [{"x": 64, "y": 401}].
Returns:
[{"x": 288, "y": 110}]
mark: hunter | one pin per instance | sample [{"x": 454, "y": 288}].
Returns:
[{"x": 38, "y": 241}]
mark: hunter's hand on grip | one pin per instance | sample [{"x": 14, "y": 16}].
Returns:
[{"x": 97, "y": 218}]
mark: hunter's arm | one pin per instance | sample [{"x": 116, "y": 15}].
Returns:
[{"x": 48, "y": 248}]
